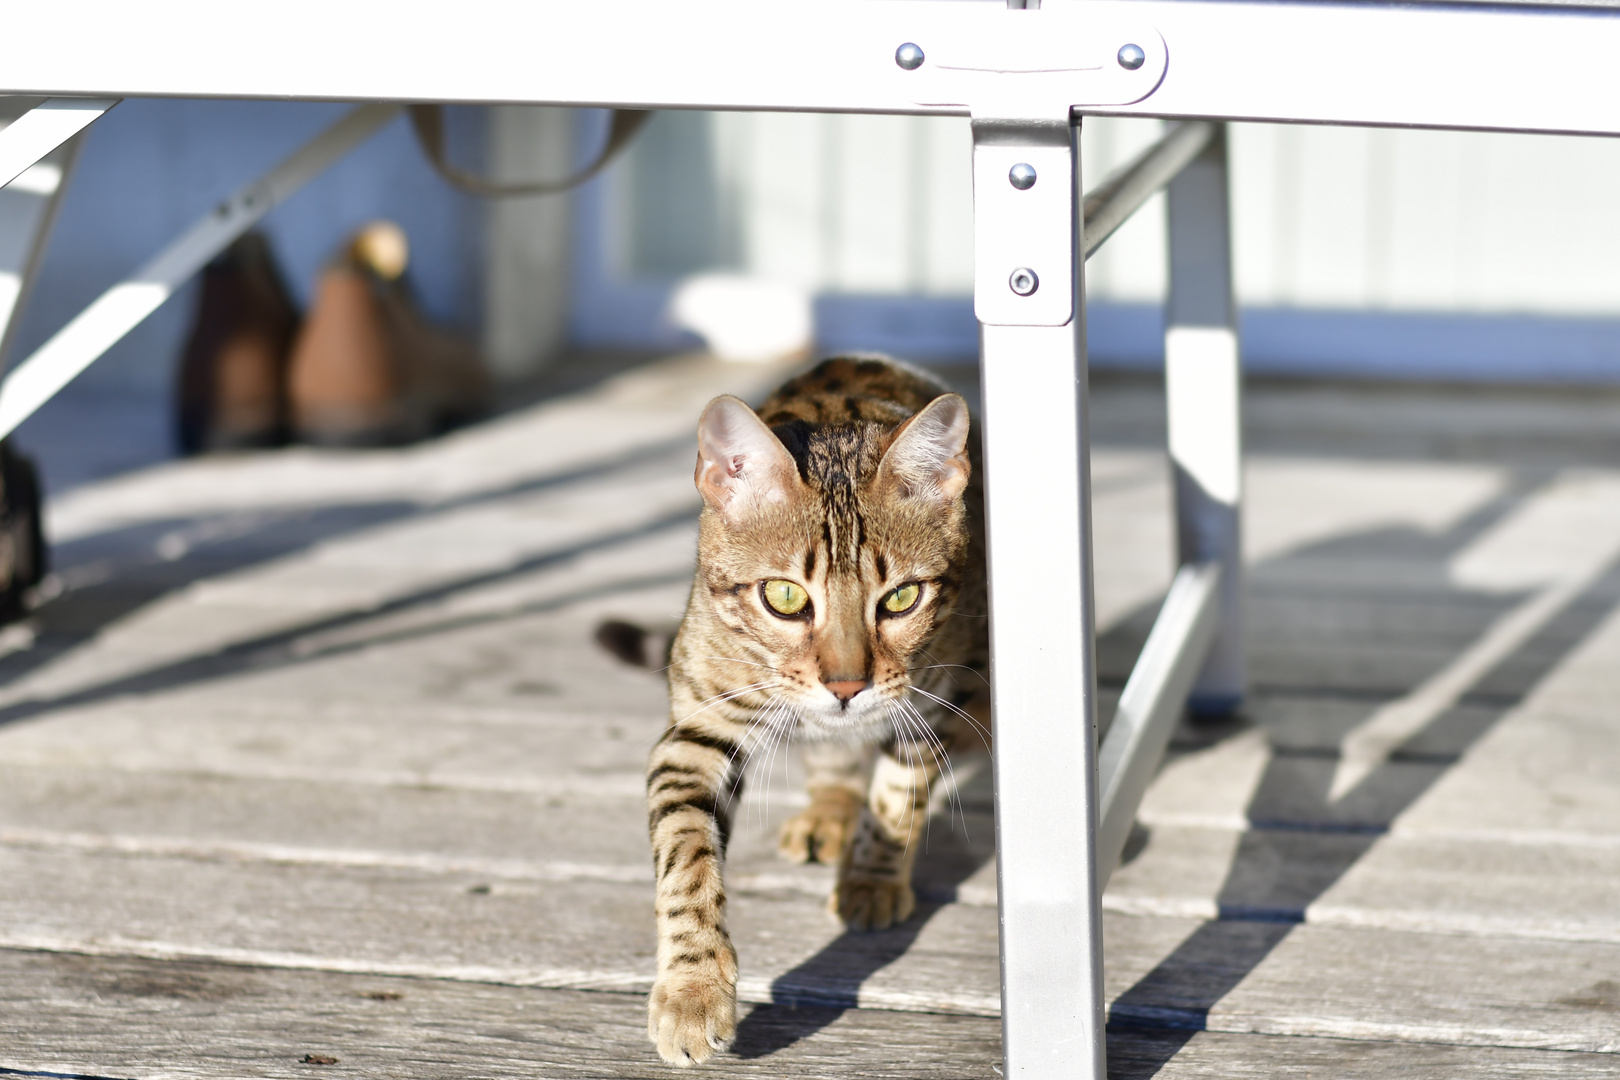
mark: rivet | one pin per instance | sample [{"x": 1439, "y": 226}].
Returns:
[
  {"x": 909, "y": 56},
  {"x": 1023, "y": 281},
  {"x": 1022, "y": 176},
  {"x": 1131, "y": 57}
]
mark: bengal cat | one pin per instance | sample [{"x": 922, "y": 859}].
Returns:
[{"x": 839, "y": 598}]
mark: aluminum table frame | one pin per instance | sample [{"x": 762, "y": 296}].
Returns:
[{"x": 1025, "y": 77}]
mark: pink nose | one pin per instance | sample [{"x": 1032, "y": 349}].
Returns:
[{"x": 844, "y": 689}]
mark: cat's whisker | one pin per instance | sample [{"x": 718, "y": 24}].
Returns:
[
  {"x": 778, "y": 733},
  {"x": 792, "y": 725},
  {"x": 914, "y": 747},
  {"x": 720, "y": 699},
  {"x": 736, "y": 765},
  {"x": 745, "y": 747},
  {"x": 788, "y": 724},
  {"x": 964, "y": 667},
  {"x": 984, "y": 735},
  {"x": 759, "y": 732},
  {"x": 911, "y": 784},
  {"x": 774, "y": 733},
  {"x": 734, "y": 660},
  {"x": 743, "y": 744},
  {"x": 942, "y": 759}
]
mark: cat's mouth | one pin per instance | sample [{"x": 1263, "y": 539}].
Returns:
[{"x": 863, "y": 714}]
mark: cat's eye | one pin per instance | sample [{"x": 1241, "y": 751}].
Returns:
[
  {"x": 901, "y": 600},
  {"x": 784, "y": 597}
]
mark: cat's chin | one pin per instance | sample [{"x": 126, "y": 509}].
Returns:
[{"x": 869, "y": 724}]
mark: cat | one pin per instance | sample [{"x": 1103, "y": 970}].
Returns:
[{"x": 840, "y": 598}]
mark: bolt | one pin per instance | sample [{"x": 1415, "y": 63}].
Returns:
[
  {"x": 1023, "y": 281},
  {"x": 909, "y": 56},
  {"x": 1022, "y": 176},
  {"x": 1131, "y": 57}
]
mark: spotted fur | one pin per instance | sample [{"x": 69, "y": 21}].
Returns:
[{"x": 851, "y": 481}]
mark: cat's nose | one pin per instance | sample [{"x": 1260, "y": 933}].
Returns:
[{"x": 844, "y": 689}]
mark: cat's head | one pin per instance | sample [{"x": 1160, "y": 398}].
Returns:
[{"x": 830, "y": 555}]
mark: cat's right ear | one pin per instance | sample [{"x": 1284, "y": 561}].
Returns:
[{"x": 741, "y": 464}]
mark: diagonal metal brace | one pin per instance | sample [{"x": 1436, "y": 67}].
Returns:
[
  {"x": 31, "y": 136},
  {"x": 122, "y": 308}
]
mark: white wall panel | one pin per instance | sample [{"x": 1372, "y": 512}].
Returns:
[
  {"x": 1131, "y": 266},
  {"x": 1343, "y": 218}
]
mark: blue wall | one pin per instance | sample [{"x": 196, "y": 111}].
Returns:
[{"x": 1304, "y": 342}]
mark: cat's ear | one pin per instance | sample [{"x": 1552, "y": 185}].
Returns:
[
  {"x": 928, "y": 458},
  {"x": 741, "y": 463}
]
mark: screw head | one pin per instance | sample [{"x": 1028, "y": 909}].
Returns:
[
  {"x": 909, "y": 56},
  {"x": 1131, "y": 57},
  {"x": 1023, "y": 281},
  {"x": 1021, "y": 176}
]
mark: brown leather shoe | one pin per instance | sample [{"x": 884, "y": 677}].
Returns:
[
  {"x": 232, "y": 382},
  {"x": 368, "y": 369}
]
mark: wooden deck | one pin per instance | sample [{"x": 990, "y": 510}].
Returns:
[{"x": 314, "y": 758}]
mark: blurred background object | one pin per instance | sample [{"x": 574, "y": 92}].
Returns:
[
  {"x": 749, "y": 320},
  {"x": 24, "y": 557},
  {"x": 1361, "y": 253},
  {"x": 368, "y": 368},
  {"x": 232, "y": 383}
]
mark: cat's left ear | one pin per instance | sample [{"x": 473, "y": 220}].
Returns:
[
  {"x": 928, "y": 457},
  {"x": 741, "y": 464}
]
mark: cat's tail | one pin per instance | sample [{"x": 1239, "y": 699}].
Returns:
[{"x": 637, "y": 646}]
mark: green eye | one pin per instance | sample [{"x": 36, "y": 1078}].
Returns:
[
  {"x": 902, "y": 599},
  {"x": 784, "y": 597}
]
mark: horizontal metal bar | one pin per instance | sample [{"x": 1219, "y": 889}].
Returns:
[
  {"x": 1112, "y": 203},
  {"x": 1151, "y": 704},
  {"x": 121, "y": 308},
  {"x": 1494, "y": 67},
  {"x": 37, "y": 132}
]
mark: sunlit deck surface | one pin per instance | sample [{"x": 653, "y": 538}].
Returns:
[{"x": 314, "y": 757}]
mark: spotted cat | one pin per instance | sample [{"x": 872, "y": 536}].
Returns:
[{"x": 839, "y": 598}]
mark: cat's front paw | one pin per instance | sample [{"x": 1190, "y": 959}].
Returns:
[
  {"x": 821, "y": 831},
  {"x": 692, "y": 1017},
  {"x": 872, "y": 905}
]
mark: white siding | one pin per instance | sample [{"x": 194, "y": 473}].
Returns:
[{"x": 1325, "y": 217}]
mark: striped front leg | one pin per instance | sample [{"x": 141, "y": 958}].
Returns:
[
  {"x": 693, "y": 778},
  {"x": 874, "y": 876}
]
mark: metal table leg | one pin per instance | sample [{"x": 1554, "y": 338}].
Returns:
[
  {"x": 1203, "y": 393},
  {"x": 1038, "y": 506}
]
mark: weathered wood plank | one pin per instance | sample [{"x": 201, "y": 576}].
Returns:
[
  {"x": 1553, "y": 890},
  {"x": 499, "y": 835},
  {"x": 565, "y": 933},
  {"x": 1138, "y": 1055},
  {"x": 1567, "y": 892},
  {"x": 1262, "y": 977},
  {"x": 1384, "y": 984},
  {"x": 187, "y": 1020}
]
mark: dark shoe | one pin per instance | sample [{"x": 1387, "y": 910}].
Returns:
[
  {"x": 23, "y": 555},
  {"x": 233, "y": 374}
]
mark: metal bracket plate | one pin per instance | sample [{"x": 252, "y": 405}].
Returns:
[
  {"x": 1001, "y": 61},
  {"x": 1017, "y": 231}
]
